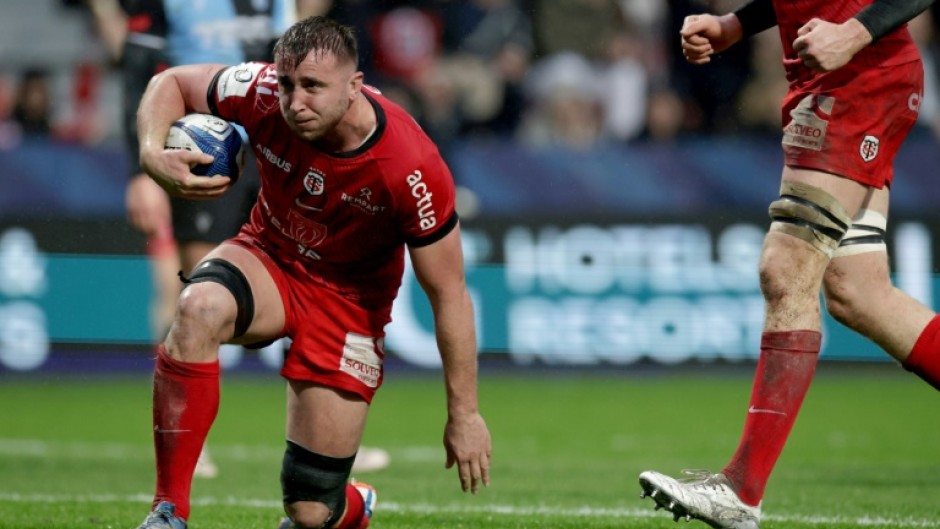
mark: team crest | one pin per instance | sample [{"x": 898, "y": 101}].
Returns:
[
  {"x": 314, "y": 182},
  {"x": 869, "y": 148}
]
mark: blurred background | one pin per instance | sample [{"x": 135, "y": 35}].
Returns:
[{"x": 613, "y": 198}]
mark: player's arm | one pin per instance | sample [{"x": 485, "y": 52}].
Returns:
[
  {"x": 148, "y": 206},
  {"x": 169, "y": 96},
  {"x": 825, "y": 46},
  {"x": 756, "y": 16},
  {"x": 111, "y": 24},
  {"x": 884, "y": 16},
  {"x": 439, "y": 269},
  {"x": 705, "y": 34}
]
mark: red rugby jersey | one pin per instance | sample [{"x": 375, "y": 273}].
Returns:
[
  {"x": 344, "y": 217},
  {"x": 894, "y": 48}
]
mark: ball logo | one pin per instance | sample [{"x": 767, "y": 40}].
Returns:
[
  {"x": 211, "y": 135},
  {"x": 218, "y": 126}
]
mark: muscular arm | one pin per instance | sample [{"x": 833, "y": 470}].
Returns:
[
  {"x": 169, "y": 96},
  {"x": 439, "y": 269},
  {"x": 824, "y": 46}
]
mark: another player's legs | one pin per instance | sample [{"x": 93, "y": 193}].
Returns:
[
  {"x": 860, "y": 294},
  {"x": 808, "y": 224},
  {"x": 163, "y": 255},
  {"x": 324, "y": 429},
  {"x": 701, "y": 495}
]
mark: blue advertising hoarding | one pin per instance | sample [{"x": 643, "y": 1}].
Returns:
[{"x": 584, "y": 294}]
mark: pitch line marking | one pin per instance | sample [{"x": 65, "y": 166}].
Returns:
[{"x": 507, "y": 510}]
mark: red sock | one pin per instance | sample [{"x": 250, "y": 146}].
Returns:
[
  {"x": 355, "y": 517},
  {"x": 924, "y": 360},
  {"x": 185, "y": 403},
  {"x": 784, "y": 372}
]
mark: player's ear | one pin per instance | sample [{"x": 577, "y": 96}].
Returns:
[{"x": 355, "y": 84}]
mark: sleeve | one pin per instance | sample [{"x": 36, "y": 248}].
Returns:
[
  {"x": 426, "y": 203},
  {"x": 884, "y": 16},
  {"x": 756, "y": 16},
  {"x": 244, "y": 92}
]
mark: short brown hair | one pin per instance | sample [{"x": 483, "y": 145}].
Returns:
[{"x": 319, "y": 34}]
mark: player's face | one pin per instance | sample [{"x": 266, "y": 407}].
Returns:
[{"x": 316, "y": 95}]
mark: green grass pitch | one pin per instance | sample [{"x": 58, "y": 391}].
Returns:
[{"x": 75, "y": 453}]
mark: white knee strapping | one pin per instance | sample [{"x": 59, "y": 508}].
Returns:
[{"x": 867, "y": 234}]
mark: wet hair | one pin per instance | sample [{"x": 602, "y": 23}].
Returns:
[{"x": 316, "y": 34}]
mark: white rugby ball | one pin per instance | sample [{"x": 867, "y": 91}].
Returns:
[{"x": 211, "y": 135}]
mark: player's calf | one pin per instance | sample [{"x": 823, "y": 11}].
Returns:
[{"x": 924, "y": 359}]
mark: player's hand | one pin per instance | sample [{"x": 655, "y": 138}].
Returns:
[
  {"x": 705, "y": 35},
  {"x": 824, "y": 46},
  {"x": 148, "y": 207},
  {"x": 171, "y": 168},
  {"x": 468, "y": 445}
]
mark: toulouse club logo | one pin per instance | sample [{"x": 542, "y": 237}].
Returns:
[
  {"x": 314, "y": 182},
  {"x": 868, "y": 148}
]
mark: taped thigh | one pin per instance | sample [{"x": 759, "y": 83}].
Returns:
[
  {"x": 867, "y": 234},
  {"x": 229, "y": 276},
  {"x": 811, "y": 214}
]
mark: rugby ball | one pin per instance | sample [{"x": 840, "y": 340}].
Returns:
[{"x": 211, "y": 135}]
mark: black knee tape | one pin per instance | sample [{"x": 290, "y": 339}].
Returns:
[
  {"x": 229, "y": 276},
  {"x": 309, "y": 476}
]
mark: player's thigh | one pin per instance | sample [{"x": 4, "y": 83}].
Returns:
[
  {"x": 811, "y": 216},
  {"x": 269, "y": 316},
  {"x": 860, "y": 267},
  {"x": 325, "y": 420},
  {"x": 851, "y": 195},
  {"x": 864, "y": 275}
]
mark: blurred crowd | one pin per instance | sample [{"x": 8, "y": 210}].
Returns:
[{"x": 547, "y": 73}]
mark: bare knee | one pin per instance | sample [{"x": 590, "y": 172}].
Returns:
[
  {"x": 780, "y": 280},
  {"x": 849, "y": 301},
  {"x": 840, "y": 298},
  {"x": 308, "y": 514},
  {"x": 204, "y": 313},
  {"x": 773, "y": 283}
]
